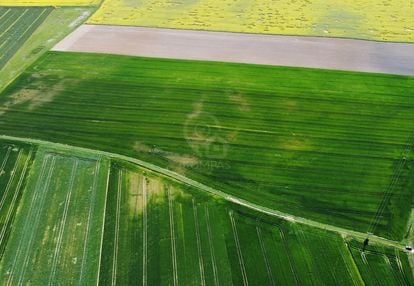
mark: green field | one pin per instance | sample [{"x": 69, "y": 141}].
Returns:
[
  {"x": 92, "y": 222},
  {"x": 16, "y": 26},
  {"x": 158, "y": 232},
  {"x": 15, "y": 160},
  {"x": 379, "y": 266},
  {"x": 330, "y": 146},
  {"x": 23, "y": 44},
  {"x": 58, "y": 228}
]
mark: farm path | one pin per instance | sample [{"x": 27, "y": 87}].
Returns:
[{"x": 189, "y": 182}]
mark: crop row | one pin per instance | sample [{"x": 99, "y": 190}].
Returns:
[
  {"x": 158, "y": 232},
  {"x": 319, "y": 144},
  {"x": 15, "y": 163},
  {"x": 91, "y": 222},
  {"x": 59, "y": 225},
  {"x": 17, "y": 24}
]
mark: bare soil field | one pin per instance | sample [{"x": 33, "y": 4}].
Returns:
[{"x": 313, "y": 52}]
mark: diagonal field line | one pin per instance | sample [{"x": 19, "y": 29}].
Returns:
[
  {"x": 63, "y": 223},
  {"x": 211, "y": 245},
  {"x": 90, "y": 214},
  {"x": 265, "y": 257},
  {"x": 238, "y": 248},
  {"x": 118, "y": 216},
  {"x": 172, "y": 233},
  {"x": 200, "y": 253},
  {"x": 144, "y": 232},
  {"x": 216, "y": 192},
  {"x": 22, "y": 35},
  {"x": 289, "y": 256},
  {"x": 6, "y": 157},
  {"x": 15, "y": 196},
  {"x": 12, "y": 24},
  {"x": 10, "y": 182},
  {"x": 394, "y": 181},
  {"x": 44, "y": 190},
  {"x": 103, "y": 225},
  {"x": 34, "y": 197}
]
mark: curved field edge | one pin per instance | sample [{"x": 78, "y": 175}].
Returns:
[
  {"x": 150, "y": 228},
  {"x": 59, "y": 23},
  {"x": 347, "y": 19},
  {"x": 330, "y": 146},
  {"x": 201, "y": 187},
  {"x": 175, "y": 225}
]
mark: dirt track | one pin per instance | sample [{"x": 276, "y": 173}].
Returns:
[{"x": 328, "y": 53}]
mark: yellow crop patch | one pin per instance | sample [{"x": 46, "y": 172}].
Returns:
[
  {"x": 48, "y": 2},
  {"x": 386, "y": 20}
]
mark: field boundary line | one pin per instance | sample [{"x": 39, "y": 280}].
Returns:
[
  {"x": 16, "y": 194},
  {"x": 364, "y": 258},
  {"x": 306, "y": 254},
  {"x": 37, "y": 220},
  {"x": 172, "y": 234},
  {"x": 33, "y": 23},
  {"x": 92, "y": 206},
  {"x": 238, "y": 249},
  {"x": 215, "y": 192},
  {"x": 34, "y": 198},
  {"x": 103, "y": 226},
  {"x": 144, "y": 231},
  {"x": 63, "y": 222},
  {"x": 324, "y": 251},
  {"x": 348, "y": 271},
  {"x": 117, "y": 222},
  {"x": 400, "y": 266},
  {"x": 290, "y": 258},
  {"x": 395, "y": 275},
  {"x": 15, "y": 21},
  {"x": 199, "y": 250},
  {"x": 266, "y": 260},
  {"x": 4, "y": 162},
  {"x": 7, "y": 12},
  {"x": 211, "y": 245},
  {"x": 11, "y": 179},
  {"x": 393, "y": 183}
]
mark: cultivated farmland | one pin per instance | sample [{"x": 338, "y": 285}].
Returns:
[
  {"x": 158, "y": 232},
  {"x": 379, "y": 266},
  {"x": 58, "y": 227},
  {"x": 387, "y": 20},
  {"x": 326, "y": 145},
  {"x": 16, "y": 26},
  {"x": 16, "y": 160},
  {"x": 133, "y": 226},
  {"x": 23, "y": 50}
]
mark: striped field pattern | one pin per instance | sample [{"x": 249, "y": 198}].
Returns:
[{"x": 16, "y": 26}]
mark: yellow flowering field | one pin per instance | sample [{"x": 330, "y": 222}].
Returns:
[
  {"x": 385, "y": 20},
  {"x": 48, "y": 2}
]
